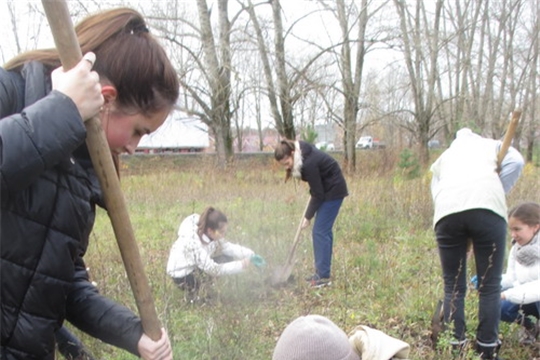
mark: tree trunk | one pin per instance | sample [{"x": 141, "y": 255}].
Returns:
[
  {"x": 267, "y": 70},
  {"x": 288, "y": 129},
  {"x": 421, "y": 67},
  {"x": 218, "y": 77}
]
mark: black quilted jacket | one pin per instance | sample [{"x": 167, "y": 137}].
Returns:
[
  {"x": 324, "y": 176},
  {"x": 48, "y": 196}
]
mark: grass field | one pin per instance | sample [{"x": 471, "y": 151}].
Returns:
[{"x": 386, "y": 271}]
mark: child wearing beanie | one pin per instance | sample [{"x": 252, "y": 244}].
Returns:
[{"x": 313, "y": 337}]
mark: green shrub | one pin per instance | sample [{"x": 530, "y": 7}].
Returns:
[{"x": 409, "y": 164}]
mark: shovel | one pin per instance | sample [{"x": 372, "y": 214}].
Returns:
[
  {"x": 70, "y": 54},
  {"x": 282, "y": 273}
]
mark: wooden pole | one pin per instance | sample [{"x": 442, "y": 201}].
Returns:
[
  {"x": 516, "y": 114},
  {"x": 282, "y": 273},
  {"x": 70, "y": 54}
]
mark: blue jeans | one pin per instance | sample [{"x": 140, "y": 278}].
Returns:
[
  {"x": 510, "y": 312},
  {"x": 487, "y": 231},
  {"x": 323, "y": 237}
]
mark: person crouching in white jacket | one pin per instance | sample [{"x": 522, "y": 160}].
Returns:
[
  {"x": 201, "y": 248},
  {"x": 520, "y": 296}
]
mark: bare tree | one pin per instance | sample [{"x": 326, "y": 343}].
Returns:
[
  {"x": 278, "y": 91},
  {"x": 217, "y": 60},
  {"x": 282, "y": 80},
  {"x": 292, "y": 80},
  {"x": 22, "y": 35},
  {"x": 530, "y": 126},
  {"x": 14, "y": 26},
  {"x": 205, "y": 65},
  {"x": 462, "y": 27},
  {"x": 421, "y": 63},
  {"x": 351, "y": 76},
  {"x": 267, "y": 70}
]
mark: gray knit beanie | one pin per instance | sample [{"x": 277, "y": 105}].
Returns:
[{"x": 313, "y": 337}]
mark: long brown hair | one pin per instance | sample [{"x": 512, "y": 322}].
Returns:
[
  {"x": 127, "y": 56},
  {"x": 210, "y": 219},
  {"x": 527, "y": 212},
  {"x": 284, "y": 149}
]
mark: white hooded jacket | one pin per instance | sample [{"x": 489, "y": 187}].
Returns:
[
  {"x": 190, "y": 252},
  {"x": 521, "y": 283},
  {"x": 465, "y": 176}
]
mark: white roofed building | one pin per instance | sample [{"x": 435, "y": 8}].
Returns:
[{"x": 179, "y": 133}]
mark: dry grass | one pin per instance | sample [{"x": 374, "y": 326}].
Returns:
[{"x": 386, "y": 270}]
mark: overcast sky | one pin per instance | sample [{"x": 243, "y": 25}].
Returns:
[{"x": 34, "y": 31}]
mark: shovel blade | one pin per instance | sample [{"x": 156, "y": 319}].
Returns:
[
  {"x": 437, "y": 323},
  {"x": 281, "y": 275}
]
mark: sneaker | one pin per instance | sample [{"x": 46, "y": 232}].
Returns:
[
  {"x": 488, "y": 353},
  {"x": 319, "y": 283},
  {"x": 458, "y": 348},
  {"x": 311, "y": 278}
]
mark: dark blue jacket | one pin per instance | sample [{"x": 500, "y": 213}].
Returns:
[
  {"x": 49, "y": 191},
  {"x": 324, "y": 176}
]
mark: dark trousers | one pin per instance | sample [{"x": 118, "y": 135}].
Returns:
[
  {"x": 487, "y": 231},
  {"x": 192, "y": 282},
  {"x": 520, "y": 313},
  {"x": 189, "y": 282},
  {"x": 323, "y": 237}
]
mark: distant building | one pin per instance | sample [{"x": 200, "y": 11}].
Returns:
[
  {"x": 179, "y": 133},
  {"x": 326, "y": 132},
  {"x": 251, "y": 140}
]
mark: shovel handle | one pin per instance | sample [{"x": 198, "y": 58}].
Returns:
[
  {"x": 516, "y": 114},
  {"x": 297, "y": 235},
  {"x": 70, "y": 54}
]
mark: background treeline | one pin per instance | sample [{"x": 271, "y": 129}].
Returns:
[{"x": 409, "y": 71}]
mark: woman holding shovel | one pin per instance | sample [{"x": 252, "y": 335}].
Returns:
[
  {"x": 327, "y": 187},
  {"x": 49, "y": 188},
  {"x": 469, "y": 201}
]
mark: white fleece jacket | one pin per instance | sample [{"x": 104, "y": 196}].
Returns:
[
  {"x": 465, "y": 176},
  {"x": 521, "y": 284},
  {"x": 189, "y": 252}
]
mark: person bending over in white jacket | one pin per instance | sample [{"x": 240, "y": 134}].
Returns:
[
  {"x": 470, "y": 205},
  {"x": 520, "y": 296},
  {"x": 201, "y": 248}
]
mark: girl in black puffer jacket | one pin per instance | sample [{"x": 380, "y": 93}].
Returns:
[{"x": 48, "y": 186}]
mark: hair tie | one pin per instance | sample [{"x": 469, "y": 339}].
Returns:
[{"x": 139, "y": 29}]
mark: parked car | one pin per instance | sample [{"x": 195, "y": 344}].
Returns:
[
  {"x": 368, "y": 142},
  {"x": 325, "y": 146},
  {"x": 433, "y": 144}
]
